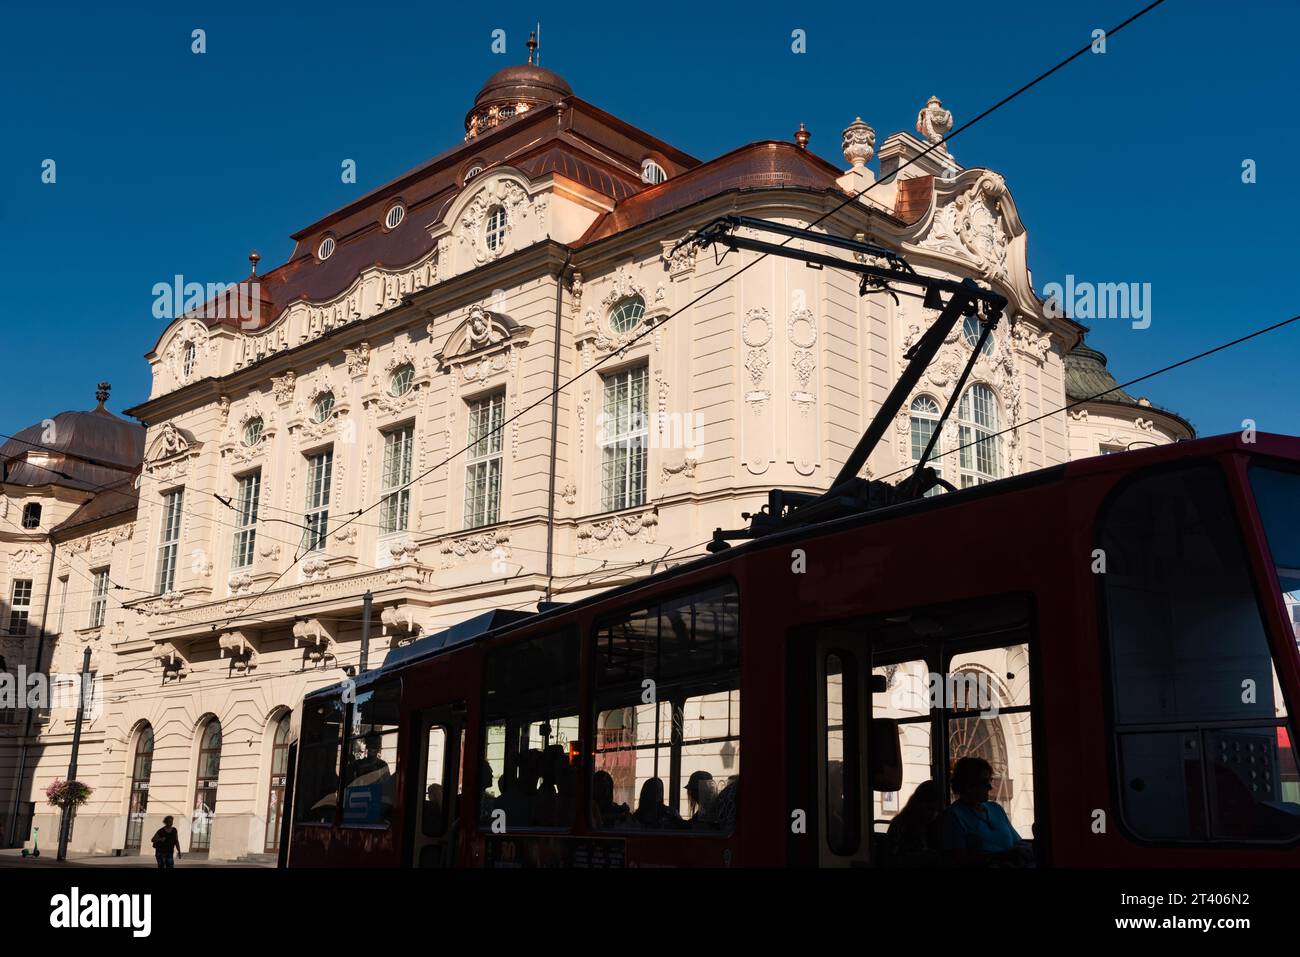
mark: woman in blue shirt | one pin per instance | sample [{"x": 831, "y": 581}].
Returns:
[{"x": 975, "y": 829}]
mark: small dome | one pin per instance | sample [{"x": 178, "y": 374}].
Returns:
[
  {"x": 511, "y": 92},
  {"x": 96, "y": 447}
]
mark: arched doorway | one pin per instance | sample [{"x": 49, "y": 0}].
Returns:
[
  {"x": 275, "y": 809},
  {"x": 205, "y": 786},
  {"x": 138, "y": 803}
]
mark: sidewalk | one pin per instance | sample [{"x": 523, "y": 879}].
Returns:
[{"x": 14, "y": 858}]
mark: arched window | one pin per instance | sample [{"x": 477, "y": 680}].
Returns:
[
  {"x": 279, "y": 770},
  {"x": 323, "y": 407},
  {"x": 652, "y": 172},
  {"x": 971, "y": 329},
  {"x": 494, "y": 230},
  {"x": 395, "y": 215},
  {"x": 253, "y": 432},
  {"x": 32, "y": 515},
  {"x": 925, "y": 419},
  {"x": 473, "y": 171},
  {"x": 626, "y": 314},
  {"x": 205, "y": 786},
  {"x": 402, "y": 379},
  {"x": 981, "y": 448},
  {"x": 326, "y": 248},
  {"x": 191, "y": 355},
  {"x": 141, "y": 769}
]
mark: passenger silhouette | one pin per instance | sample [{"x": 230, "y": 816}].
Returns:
[
  {"x": 604, "y": 812},
  {"x": 911, "y": 840},
  {"x": 976, "y": 830},
  {"x": 651, "y": 812}
]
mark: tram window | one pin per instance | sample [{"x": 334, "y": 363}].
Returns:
[
  {"x": 989, "y": 717},
  {"x": 906, "y": 700},
  {"x": 667, "y": 722},
  {"x": 1203, "y": 738},
  {"x": 433, "y": 817},
  {"x": 843, "y": 810},
  {"x": 531, "y": 714},
  {"x": 318, "y": 780},
  {"x": 1277, "y": 495},
  {"x": 371, "y": 769}
]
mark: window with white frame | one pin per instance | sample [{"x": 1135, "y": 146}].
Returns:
[
  {"x": 626, "y": 314},
  {"x": 99, "y": 598},
  {"x": 971, "y": 329},
  {"x": 977, "y": 425},
  {"x": 624, "y": 437},
  {"x": 169, "y": 540},
  {"x": 316, "y": 515},
  {"x": 652, "y": 172},
  {"x": 191, "y": 356},
  {"x": 63, "y": 601},
  {"x": 494, "y": 230},
  {"x": 20, "y": 606},
  {"x": 395, "y": 215},
  {"x": 925, "y": 420},
  {"x": 250, "y": 487},
  {"x": 395, "y": 505},
  {"x": 483, "y": 464}
]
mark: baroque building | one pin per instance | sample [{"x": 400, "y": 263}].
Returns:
[{"x": 378, "y": 416}]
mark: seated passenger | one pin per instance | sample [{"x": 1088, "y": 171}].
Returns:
[
  {"x": 651, "y": 811},
  {"x": 975, "y": 829},
  {"x": 911, "y": 840},
  {"x": 433, "y": 809},
  {"x": 701, "y": 799},
  {"x": 727, "y": 807},
  {"x": 604, "y": 812}
]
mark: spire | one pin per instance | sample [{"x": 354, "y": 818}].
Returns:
[{"x": 532, "y": 47}]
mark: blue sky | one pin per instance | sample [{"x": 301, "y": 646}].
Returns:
[{"x": 1126, "y": 166}]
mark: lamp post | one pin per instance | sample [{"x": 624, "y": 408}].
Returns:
[{"x": 65, "y": 821}]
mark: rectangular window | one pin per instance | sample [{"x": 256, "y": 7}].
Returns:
[
  {"x": 672, "y": 763},
  {"x": 250, "y": 487},
  {"x": 99, "y": 598},
  {"x": 20, "y": 606},
  {"x": 63, "y": 601},
  {"x": 370, "y": 770},
  {"x": 320, "y": 472},
  {"x": 318, "y": 765},
  {"x": 531, "y": 718},
  {"x": 623, "y": 437},
  {"x": 483, "y": 464},
  {"x": 169, "y": 540},
  {"x": 395, "y": 506},
  {"x": 1203, "y": 738}
]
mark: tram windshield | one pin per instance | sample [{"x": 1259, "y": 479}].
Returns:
[{"x": 1277, "y": 495}]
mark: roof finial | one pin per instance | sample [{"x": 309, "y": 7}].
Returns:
[
  {"x": 532, "y": 46},
  {"x": 254, "y": 259},
  {"x": 802, "y": 136},
  {"x": 101, "y": 393}
]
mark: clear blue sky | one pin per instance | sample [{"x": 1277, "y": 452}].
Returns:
[{"x": 1126, "y": 166}]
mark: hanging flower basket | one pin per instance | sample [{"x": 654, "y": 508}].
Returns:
[{"x": 67, "y": 793}]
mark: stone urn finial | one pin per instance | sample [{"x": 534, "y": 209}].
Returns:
[
  {"x": 933, "y": 123},
  {"x": 859, "y": 143}
]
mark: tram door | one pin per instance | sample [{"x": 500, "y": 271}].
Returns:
[
  {"x": 853, "y": 752},
  {"x": 439, "y": 785}
]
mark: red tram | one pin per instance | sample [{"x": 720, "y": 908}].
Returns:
[{"x": 1128, "y": 614}]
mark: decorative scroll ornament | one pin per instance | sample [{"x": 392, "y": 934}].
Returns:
[
  {"x": 282, "y": 387},
  {"x": 685, "y": 468},
  {"x": 400, "y": 620},
  {"x": 972, "y": 226},
  {"x": 505, "y": 193},
  {"x": 618, "y": 530},
  {"x": 455, "y": 551},
  {"x": 238, "y": 645},
  {"x": 317, "y": 638},
  {"x": 174, "y": 664},
  {"x": 681, "y": 262},
  {"x": 358, "y": 360}
]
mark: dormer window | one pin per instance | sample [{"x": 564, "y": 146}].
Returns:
[
  {"x": 190, "y": 356},
  {"x": 401, "y": 382},
  {"x": 32, "y": 515},
  {"x": 473, "y": 171},
  {"x": 253, "y": 432},
  {"x": 326, "y": 248},
  {"x": 494, "y": 231},
  {"x": 323, "y": 407},
  {"x": 395, "y": 215},
  {"x": 626, "y": 314},
  {"x": 652, "y": 172}
]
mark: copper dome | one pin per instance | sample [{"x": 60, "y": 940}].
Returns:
[{"x": 512, "y": 91}]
